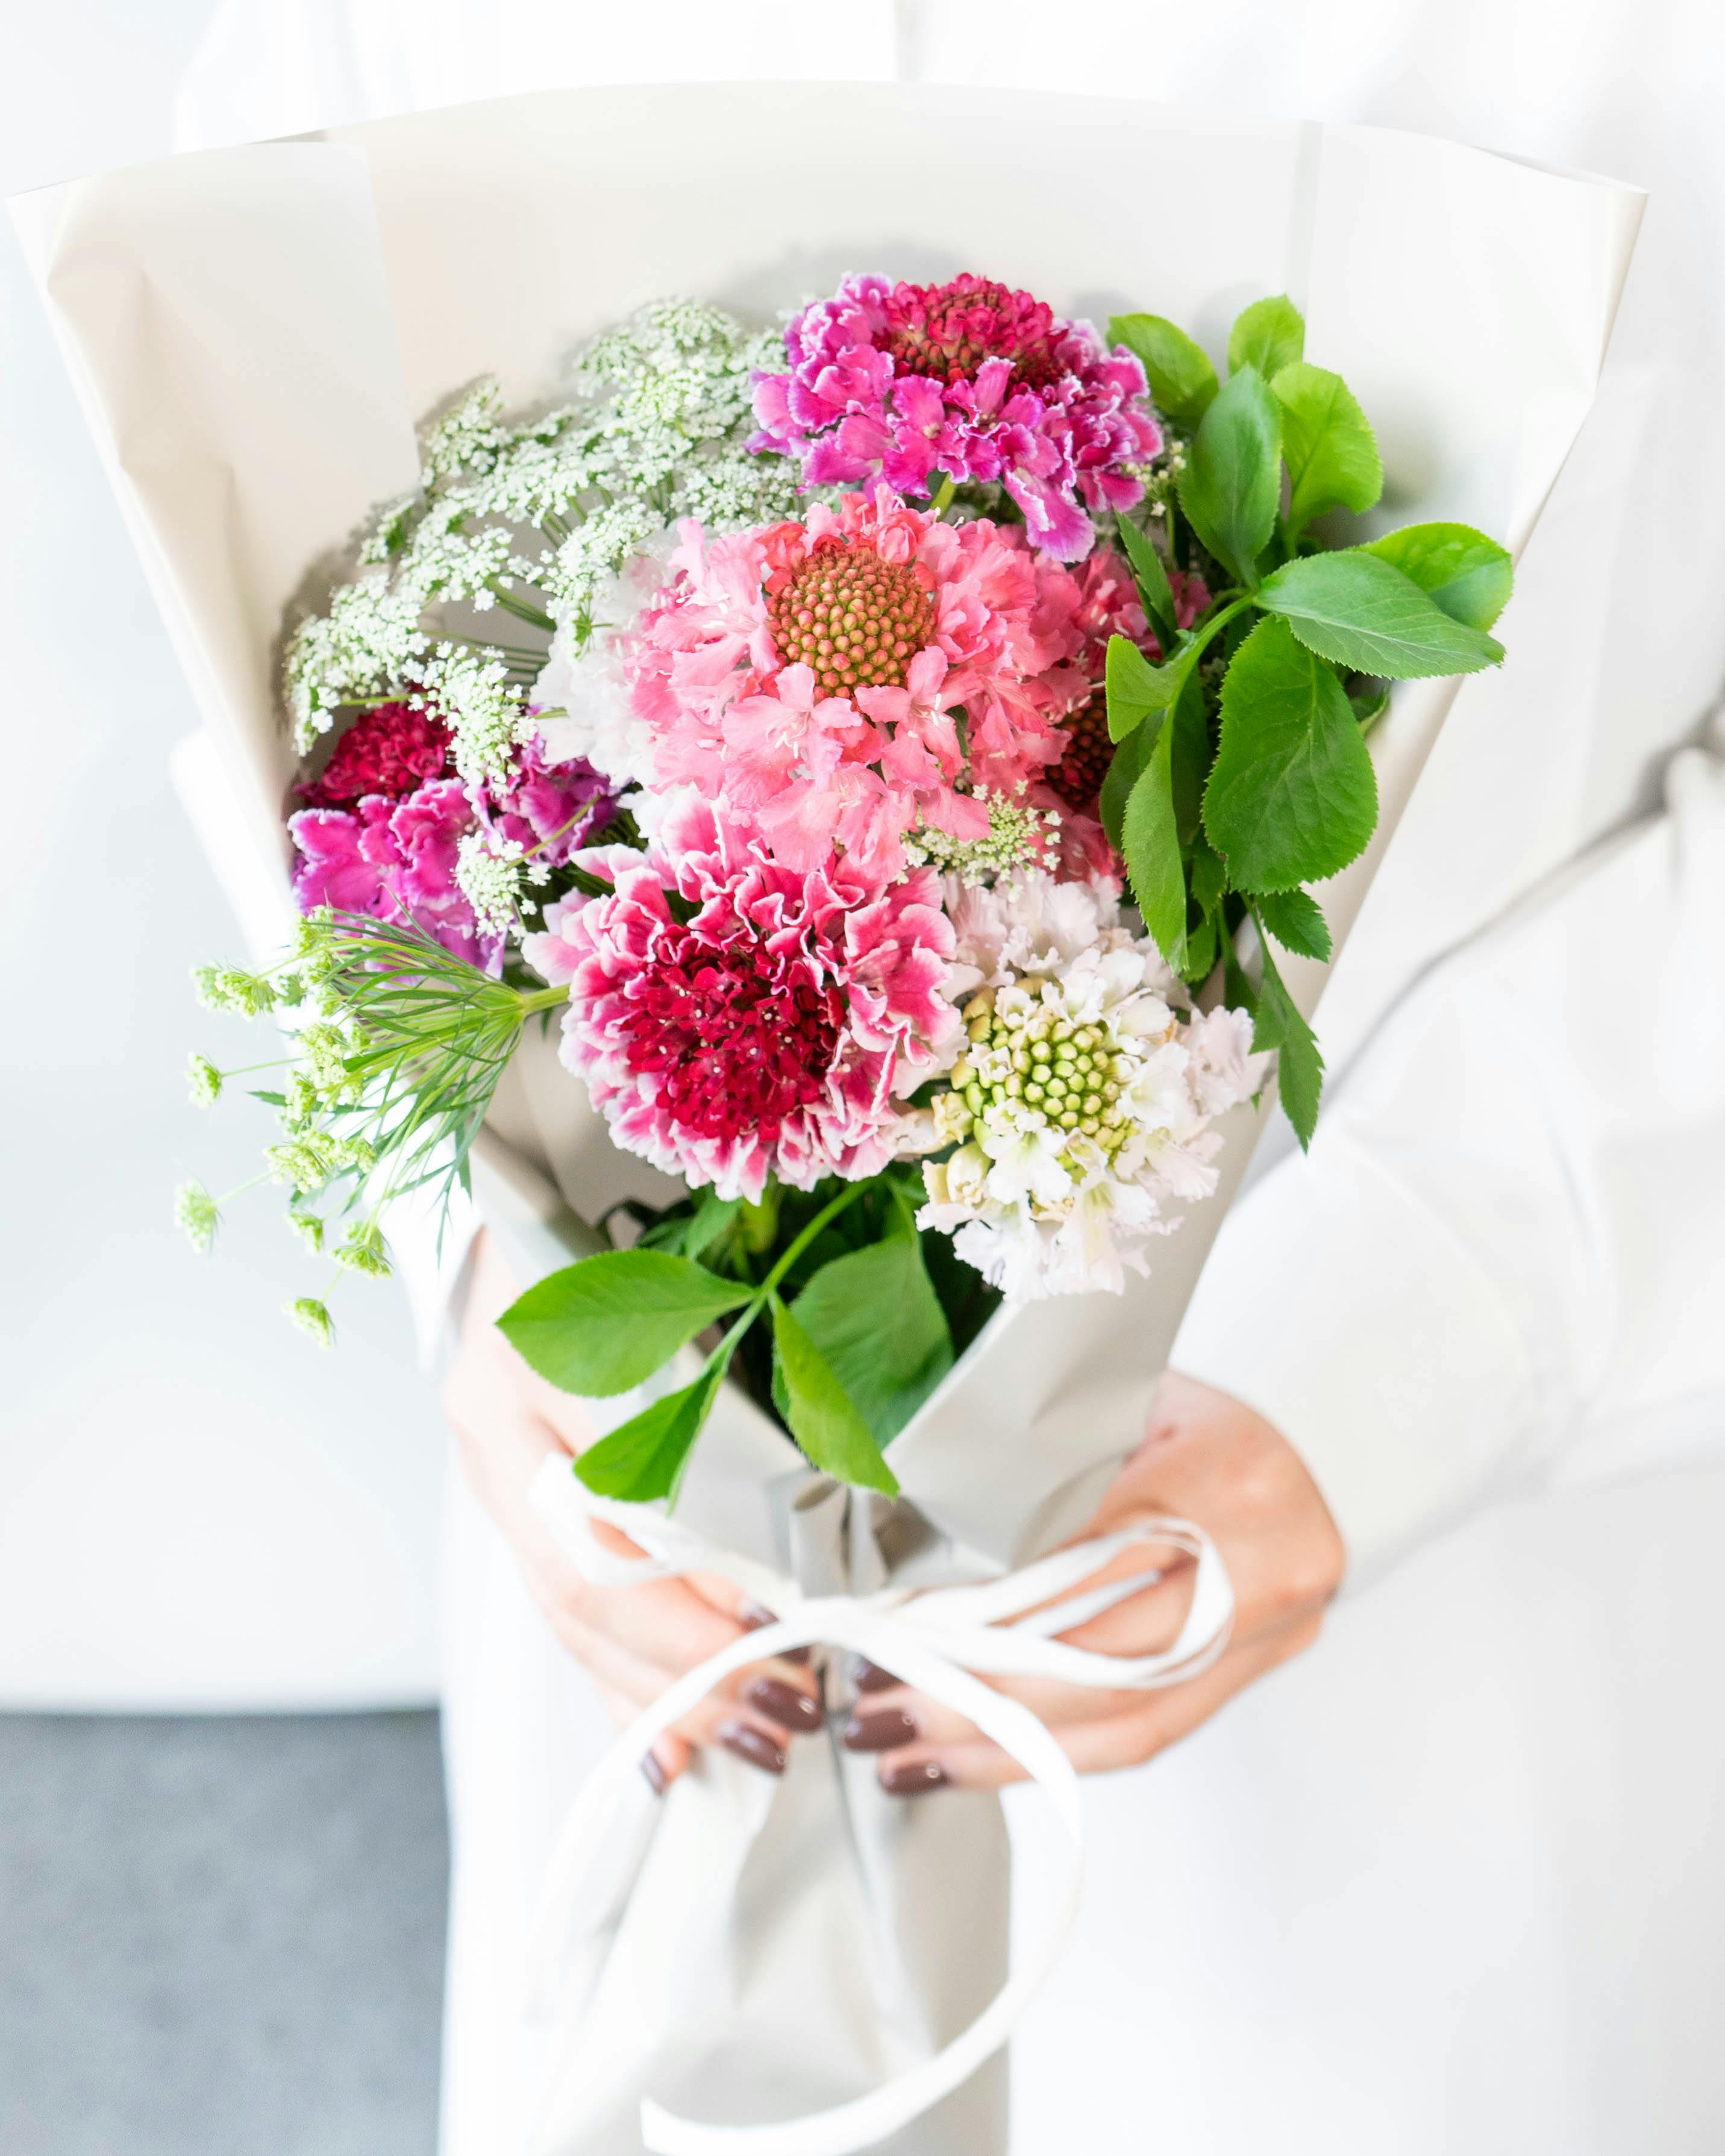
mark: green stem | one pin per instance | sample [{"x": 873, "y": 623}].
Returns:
[
  {"x": 521, "y": 609},
  {"x": 720, "y": 1358},
  {"x": 943, "y": 495},
  {"x": 539, "y": 1000}
]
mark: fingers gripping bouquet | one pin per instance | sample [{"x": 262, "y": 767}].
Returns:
[{"x": 910, "y": 736}]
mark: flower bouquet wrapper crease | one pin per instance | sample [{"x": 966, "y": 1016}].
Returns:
[{"x": 254, "y": 333}]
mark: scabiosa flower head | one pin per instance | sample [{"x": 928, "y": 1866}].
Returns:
[
  {"x": 389, "y": 750},
  {"x": 1082, "y": 1102},
  {"x": 842, "y": 680},
  {"x": 970, "y": 379},
  {"x": 734, "y": 1018}
]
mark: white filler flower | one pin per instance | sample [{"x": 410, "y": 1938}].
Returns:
[{"x": 1082, "y": 1102}]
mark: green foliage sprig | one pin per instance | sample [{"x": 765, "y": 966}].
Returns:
[
  {"x": 1241, "y": 772},
  {"x": 857, "y": 1335}
]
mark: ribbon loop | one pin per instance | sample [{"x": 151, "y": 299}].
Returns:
[{"x": 940, "y": 1641}]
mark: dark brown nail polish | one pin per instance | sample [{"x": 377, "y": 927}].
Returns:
[
  {"x": 655, "y": 1773},
  {"x": 782, "y": 1703},
  {"x": 914, "y": 1778},
  {"x": 753, "y": 1744},
  {"x": 879, "y": 1733},
  {"x": 752, "y": 1615},
  {"x": 867, "y": 1676}
]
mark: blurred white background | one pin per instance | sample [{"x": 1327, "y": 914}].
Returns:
[{"x": 198, "y": 1509}]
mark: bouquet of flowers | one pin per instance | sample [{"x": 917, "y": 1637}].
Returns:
[{"x": 910, "y": 735}]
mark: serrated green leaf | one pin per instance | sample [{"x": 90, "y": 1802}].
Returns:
[
  {"x": 709, "y": 1221},
  {"x": 1152, "y": 847},
  {"x": 1233, "y": 475},
  {"x": 610, "y": 1322},
  {"x": 1201, "y": 945},
  {"x": 1129, "y": 759},
  {"x": 1190, "y": 756},
  {"x": 1153, "y": 586},
  {"x": 1369, "y": 704},
  {"x": 876, "y": 1318},
  {"x": 1293, "y": 797},
  {"x": 1295, "y": 920},
  {"x": 643, "y": 1458},
  {"x": 1327, "y": 440},
  {"x": 1135, "y": 687},
  {"x": 1356, "y": 608},
  {"x": 1181, "y": 377},
  {"x": 1210, "y": 876},
  {"x": 1269, "y": 335},
  {"x": 823, "y": 1417},
  {"x": 1300, "y": 1063},
  {"x": 1458, "y": 569}
]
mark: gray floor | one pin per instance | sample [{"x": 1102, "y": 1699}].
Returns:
[{"x": 220, "y": 1936}]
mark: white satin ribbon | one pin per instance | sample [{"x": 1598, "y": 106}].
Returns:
[{"x": 933, "y": 1639}]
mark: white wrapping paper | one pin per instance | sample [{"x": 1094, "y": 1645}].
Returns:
[{"x": 253, "y": 332}]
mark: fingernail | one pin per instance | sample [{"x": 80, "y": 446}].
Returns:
[
  {"x": 867, "y": 1677},
  {"x": 753, "y": 1744},
  {"x": 879, "y": 1733},
  {"x": 752, "y": 1615},
  {"x": 782, "y": 1703},
  {"x": 914, "y": 1778},
  {"x": 655, "y": 1773}
]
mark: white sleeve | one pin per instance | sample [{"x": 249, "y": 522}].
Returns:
[{"x": 1505, "y": 1249}]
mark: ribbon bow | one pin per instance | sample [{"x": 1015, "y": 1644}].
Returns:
[{"x": 933, "y": 1640}]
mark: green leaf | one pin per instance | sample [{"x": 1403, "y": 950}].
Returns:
[
  {"x": 1152, "y": 851},
  {"x": 643, "y": 1458},
  {"x": 710, "y": 1220},
  {"x": 1229, "y": 487},
  {"x": 1356, "y": 608},
  {"x": 1332, "y": 452},
  {"x": 1135, "y": 687},
  {"x": 610, "y": 1322},
  {"x": 1153, "y": 586},
  {"x": 1458, "y": 569},
  {"x": 1300, "y": 1064},
  {"x": 1130, "y": 758},
  {"x": 823, "y": 1417},
  {"x": 1190, "y": 756},
  {"x": 1269, "y": 335},
  {"x": 1292, "y": 796},
  {"x": 1201, "y": 946},
  {"x": 1295, "y": 920},
  {"x": 1181, "y": 377},
  {"x": 1209, "y": 877},
  {"x": 1369, "y": 704},
  {"x": 876, "y": 1321}
]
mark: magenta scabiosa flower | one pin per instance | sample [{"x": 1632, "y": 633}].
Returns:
[
  {"x": 734, "y": 1018},
  {"x": 970, "y": 379}
]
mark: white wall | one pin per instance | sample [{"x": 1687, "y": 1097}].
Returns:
[{"x": 198, "y": 1509}]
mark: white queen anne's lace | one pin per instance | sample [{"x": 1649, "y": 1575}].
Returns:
[{"x": 1082, "y": 1102}]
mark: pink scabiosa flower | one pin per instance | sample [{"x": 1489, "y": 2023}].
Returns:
[
  {"x": 734, "y": 1018},
  {"x": 968, "y": 379},
  {"x": 838, "y": 681}
]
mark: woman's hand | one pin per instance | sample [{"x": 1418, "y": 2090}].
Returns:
[
  {"x": 636, "y": 1639},
  {"x": 1204, "y": 1458}
]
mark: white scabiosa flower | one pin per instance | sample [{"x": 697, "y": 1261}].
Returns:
[{"x": 1081, "y": 1101}]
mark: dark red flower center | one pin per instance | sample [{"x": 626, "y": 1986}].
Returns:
[
  {"x": 392, "y": 749},
  {"x": 1078, "y": 777},
  {"x": 741, "y": 1039},
  {"x": 855, "y": 620},
  {"x": 947, "y": 331}
]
